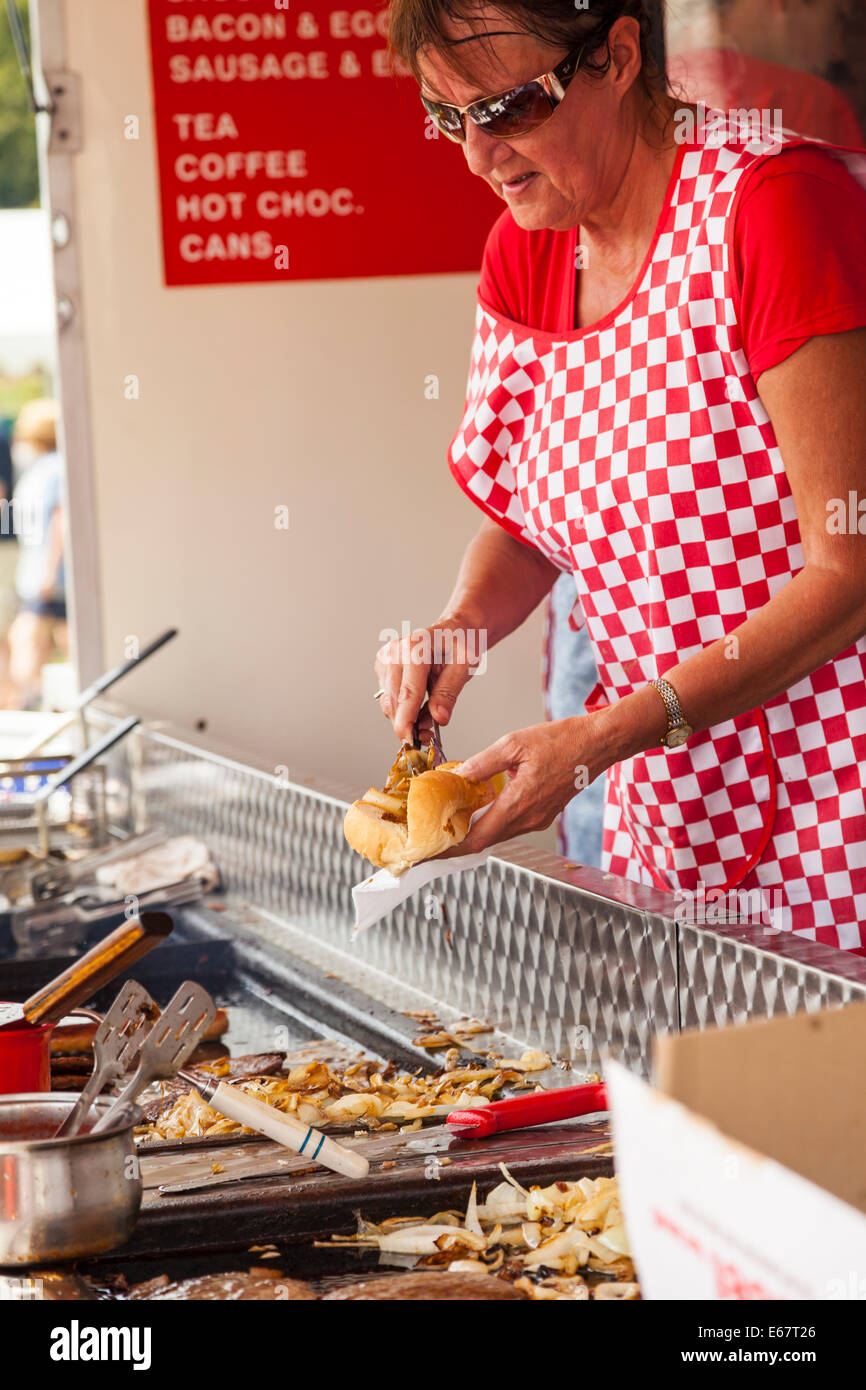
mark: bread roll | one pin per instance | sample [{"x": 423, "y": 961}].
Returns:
[{"x": 439, "y": 806}]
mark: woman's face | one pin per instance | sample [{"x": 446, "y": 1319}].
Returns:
[{"x": 559, "y": 174}]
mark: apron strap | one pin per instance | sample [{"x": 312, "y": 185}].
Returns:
[{"x": 739, "y": 873}]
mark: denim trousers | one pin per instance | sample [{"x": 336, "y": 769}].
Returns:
[{"x": 571, "y": 675}]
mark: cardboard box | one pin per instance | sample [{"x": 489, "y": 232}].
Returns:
[{"x": 743, "y": 1171}]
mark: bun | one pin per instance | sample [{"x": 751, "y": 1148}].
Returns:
[{"x": 439, "y": 805}]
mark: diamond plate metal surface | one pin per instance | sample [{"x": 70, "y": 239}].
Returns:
[
  {"x": 730, "y": 977},
  {"x": 563, "y": 957}
]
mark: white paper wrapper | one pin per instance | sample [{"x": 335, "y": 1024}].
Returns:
[
  {"x": 380, "y": 894},
  {"x": 170, "y": 862}
]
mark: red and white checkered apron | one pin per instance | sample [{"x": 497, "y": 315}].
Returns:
[{"x": 638, "y": 455}]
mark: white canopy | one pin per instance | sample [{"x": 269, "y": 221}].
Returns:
[{"x": 27, "y": 320}]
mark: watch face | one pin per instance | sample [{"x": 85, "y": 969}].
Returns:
[{"x": 678, "y": 736}]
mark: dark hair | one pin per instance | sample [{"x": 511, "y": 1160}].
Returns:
[{"x": 418, "y": 24}]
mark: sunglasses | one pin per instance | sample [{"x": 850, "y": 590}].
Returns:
[{"x": 509, "y": 114}]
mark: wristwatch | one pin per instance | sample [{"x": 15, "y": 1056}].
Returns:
[{"x": 678, "y": 729}]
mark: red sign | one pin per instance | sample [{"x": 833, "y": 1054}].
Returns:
[{"x": 289, "y": 149}]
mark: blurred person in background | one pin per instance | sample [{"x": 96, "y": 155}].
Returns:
[
  {"x": 8, "y": 562},
  {"x": 39, "y": 630}
]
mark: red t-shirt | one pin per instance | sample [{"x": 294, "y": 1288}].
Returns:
[{"x": 799, "y": 242}]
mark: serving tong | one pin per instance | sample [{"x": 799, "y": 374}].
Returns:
[{"x": 426, "y": 722}]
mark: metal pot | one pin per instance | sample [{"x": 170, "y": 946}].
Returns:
[{"x": 63, "y": 1198}]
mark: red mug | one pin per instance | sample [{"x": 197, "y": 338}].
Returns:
[
  {"x": 25, "y": 1058},
  {"x": 25, "y": 1054}
]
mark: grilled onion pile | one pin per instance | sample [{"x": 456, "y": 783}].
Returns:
[
  {"x": 365, "y": 1091},
  {"x": 563, "y": 1242}
]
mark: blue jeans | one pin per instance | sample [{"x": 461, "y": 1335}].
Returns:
[{"x": 571, "y": 676}]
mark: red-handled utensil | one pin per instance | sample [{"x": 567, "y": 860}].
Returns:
[{"x": 521, "y": 1112}]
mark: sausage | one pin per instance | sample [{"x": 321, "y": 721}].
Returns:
[
  {"x": 426, "y": 1285},
  {"x": 78, "y": 1036},
  {"x": 234, "y": 1287},
  {"x": 74, "y": 1081}
]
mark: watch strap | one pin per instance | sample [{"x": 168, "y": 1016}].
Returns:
[{"x": 676, "y": 718}]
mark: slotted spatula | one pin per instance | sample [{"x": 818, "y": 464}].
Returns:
[
  {"x": 171, "y": 1040},
  {"x": 116, "y": 1045}
]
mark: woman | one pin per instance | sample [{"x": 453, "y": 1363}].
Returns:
[{"x": 665, "y": 399}]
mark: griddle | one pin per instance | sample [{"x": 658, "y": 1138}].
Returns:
[
  {"x": 194, "y": 1219},
  {"x": 214, "y": 1229}
]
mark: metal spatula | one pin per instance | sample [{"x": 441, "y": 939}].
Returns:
[
  {"x": 116, "y": 1045},
  {"x": 171, "y": 1040}
]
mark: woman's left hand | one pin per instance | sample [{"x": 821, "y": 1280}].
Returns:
[{"x": 547, "y": 765}]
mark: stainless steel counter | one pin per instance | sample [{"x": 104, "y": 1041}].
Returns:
[{"x": 556, "y": 956}]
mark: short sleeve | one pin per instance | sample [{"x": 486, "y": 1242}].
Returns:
[
  {"x": 502, "y": 282},
  {"x": 799, "y": 253},
  {"x": 529, "y": 277}
]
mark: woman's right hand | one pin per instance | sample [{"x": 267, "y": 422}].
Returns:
[{"x": 440, "y": 658}]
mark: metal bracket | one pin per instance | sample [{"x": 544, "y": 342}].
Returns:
[{"x": 64, "y": 93}]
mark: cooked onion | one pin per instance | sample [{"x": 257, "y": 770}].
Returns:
[
  {"x": 577, "y": 1233},
  {"x": 321, "y": 1096}
]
